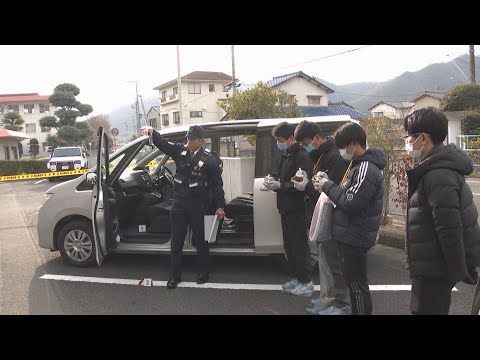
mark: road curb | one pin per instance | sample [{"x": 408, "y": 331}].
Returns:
[{"x": 391, "y": 238}]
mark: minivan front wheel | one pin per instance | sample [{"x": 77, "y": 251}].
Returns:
[{"x": 76, "y": 243}]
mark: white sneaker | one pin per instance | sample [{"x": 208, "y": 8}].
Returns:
[
  {"x": 290, "y": 285},
  {"x": 333, "y": 310},
  {"x": 303, "y": 289}
]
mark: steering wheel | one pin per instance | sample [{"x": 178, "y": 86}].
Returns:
[{"x": 165, "y": 171}]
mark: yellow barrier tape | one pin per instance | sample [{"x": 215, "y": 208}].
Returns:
[
  {"x": 59, "y": 173},
  {"x": 43, "y": 175}
]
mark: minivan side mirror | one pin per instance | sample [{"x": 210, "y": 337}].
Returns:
[{"x": 91, "y": 178}]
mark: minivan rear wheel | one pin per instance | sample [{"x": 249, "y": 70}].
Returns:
[{"x": 76, "y": 243}]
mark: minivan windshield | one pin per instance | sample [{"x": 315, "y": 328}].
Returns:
[{"x": 67, "y": 152}]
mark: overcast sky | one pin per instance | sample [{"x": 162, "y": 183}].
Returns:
[{"x": 105, "y": 74}]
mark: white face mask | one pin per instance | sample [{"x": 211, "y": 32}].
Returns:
[
  {"x": 414, "y": 154},
  {"x": 345, "y": 155}
]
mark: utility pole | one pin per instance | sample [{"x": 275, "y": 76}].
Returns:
[
  {"x": 472, "y": 64},
  {"x": 233, "y": 71},
  {"x": 179, "y": 85},
  {"x": 137, "y": 109}
]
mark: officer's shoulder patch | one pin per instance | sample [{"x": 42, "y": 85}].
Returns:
[{"x": 349, "y": 197}]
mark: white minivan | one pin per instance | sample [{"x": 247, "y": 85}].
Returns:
[{"x": 124, "y": 204}]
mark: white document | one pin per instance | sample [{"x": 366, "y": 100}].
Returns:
[{"x": 211, "y": 227}]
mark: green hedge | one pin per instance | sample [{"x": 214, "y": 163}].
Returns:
[{"x": 18, "y": 167}]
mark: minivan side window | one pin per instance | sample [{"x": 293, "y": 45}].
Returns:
[{"x": 267, "y": 154}]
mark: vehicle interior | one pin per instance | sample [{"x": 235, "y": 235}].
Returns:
[{"x": 144, "y": 190}]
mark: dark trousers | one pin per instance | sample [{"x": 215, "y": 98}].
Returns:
[
  {"x": 354, "y": 264},
  {"x": 431, "y": 296},
  {"x": 332, "y": 255},
  {"x": 295, "y": 243},
  {"x": 187, "y": 210}
]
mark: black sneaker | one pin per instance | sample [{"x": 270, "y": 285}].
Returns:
[
  {"x": 202, "y": 278},
  {"x": 172, "y": 284}
]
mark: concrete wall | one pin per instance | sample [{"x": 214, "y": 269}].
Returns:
[
  {"x": 301, "y": 88},
  {"x": 454, "y": 126},
  {"x": 238, "y": 176}
]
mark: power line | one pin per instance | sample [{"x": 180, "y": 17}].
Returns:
[{"x": 326, "y": 57}]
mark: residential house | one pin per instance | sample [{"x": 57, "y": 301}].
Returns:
[
  {"x": 32, "y": 107},
  {"x": 153, "y": 117},
  {"x": 392, "y": 109},
  {"x": 9, "y": 144},
  {"x": 201, "y": 92},
  {"x": 428, "y": 98},
  {"x": 312, "y": 96}
]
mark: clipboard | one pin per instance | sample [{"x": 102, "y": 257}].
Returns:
[{"x": 211, "y": 227}]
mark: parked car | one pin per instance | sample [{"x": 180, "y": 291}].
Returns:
[
  {"x": 67, "y": 158},
  {"x": 124, "y": 204}
]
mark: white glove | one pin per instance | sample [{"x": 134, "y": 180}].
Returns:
[
  {"x": 148, "y": 131},
  {"x": 272, "y": 185},
  {"x": 300, "y": 186},
  {"x": 318, "y": 185},
  {"x": 322, "y": 175}
]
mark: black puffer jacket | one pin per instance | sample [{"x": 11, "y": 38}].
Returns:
[
  {"x": 328, "y": 159},
  {"x": 356, "y": 218},
  {"x": 288, "y": 198},
  {"x": 443, "y": 236}
]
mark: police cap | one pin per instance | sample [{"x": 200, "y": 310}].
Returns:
[{"x": 195, "y": 131}]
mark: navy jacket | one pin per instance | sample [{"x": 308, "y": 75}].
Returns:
[{"x": 356, "y": 217}]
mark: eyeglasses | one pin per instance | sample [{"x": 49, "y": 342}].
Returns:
[{"x": 406, "y": 136}]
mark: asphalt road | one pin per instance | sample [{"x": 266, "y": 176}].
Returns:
[{"x": 24, "y": 291}]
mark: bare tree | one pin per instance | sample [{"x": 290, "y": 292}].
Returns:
[{"x": 95, "y": 122}]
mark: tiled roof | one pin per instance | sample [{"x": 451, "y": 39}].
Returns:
[
  {"x": 13, "y": 134},
  {"x": 200, "y": 76},
  {"x": 281, "y": 79},
  {"x": 340, "y": 108},
  {"x": 9, "y": 98},
  {"x": 432, "y": 93},
  {"x": 395, "y": 104}
]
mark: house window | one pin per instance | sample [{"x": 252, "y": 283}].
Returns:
[
  {"x": 195, "y": 114},
  {"x": 378, "y": 114},
  {"x": 194, "y": 88},
  {"x": 153, "y": 123},
  {"x": 211, "y": 87},
  {"x": 31, "y": 128},
  {"x": 44, "y": 108},
  {"x": 13, "y": 108},
  {"x": 313, "y": 100},
  {"x": 225, "y": 88},
  {"x": 29, "y": 109},
  {"x": 44, "y": 146},
  {"x": 176, "y": 117},
  {"x": 6, "y": 150},
  {"x": 175, "y": 90},
  {"x": 165, "y": 119},
  {"x": 46, "y": 128}
]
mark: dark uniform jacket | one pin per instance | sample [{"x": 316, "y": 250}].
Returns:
[
  {"x": 288, "y": 198},
  {"x": 443, "y": 236},
  {"x": 356, "y": 217},
  {"x": 330, "y": 162},
  {"x": 194, "y": 174}
]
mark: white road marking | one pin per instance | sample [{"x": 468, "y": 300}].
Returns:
[
  {"x": 473, "y": 182},
  {"x": 475, "y": 194},
  {"x": 40, "y": 181},
  {"x": 188, "y": 284}
]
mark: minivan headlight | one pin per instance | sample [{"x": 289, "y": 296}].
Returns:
[{"x": 77, "y": 162}]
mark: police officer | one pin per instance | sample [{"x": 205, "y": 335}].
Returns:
[{"x": 198, "y": 174}]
